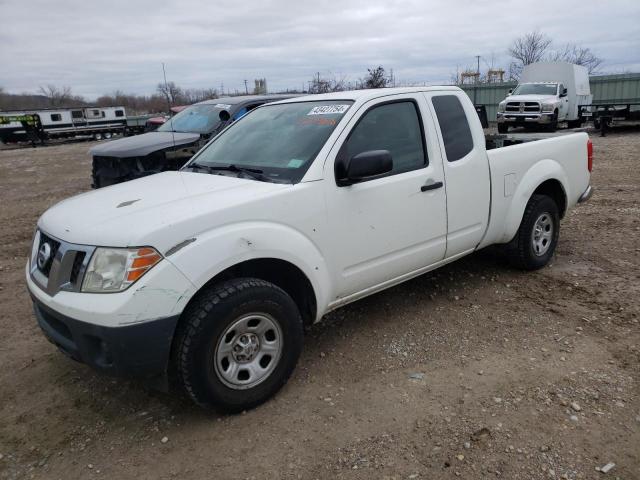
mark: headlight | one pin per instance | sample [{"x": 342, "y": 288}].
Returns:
[
  {"x": 115, "y": 269},
  {"x": 501, "y": 106},
  {"x": 548, "y": 107}
]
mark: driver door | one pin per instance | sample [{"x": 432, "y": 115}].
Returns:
[{"x": 389, "y": 226}]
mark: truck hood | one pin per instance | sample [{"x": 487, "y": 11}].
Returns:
[
  {"x": 531, "y": 98},
  {"x": 159, "y": 210},
  {"x": 141, "y": 145}
]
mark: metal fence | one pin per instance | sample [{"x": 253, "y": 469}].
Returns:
[{"x": 619, "y": 88}]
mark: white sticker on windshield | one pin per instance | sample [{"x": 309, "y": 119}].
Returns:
[
  {"x": 295, "y": 163},
  {"x": 328, "y": 109},
  {"x": 223, "y": 106}
]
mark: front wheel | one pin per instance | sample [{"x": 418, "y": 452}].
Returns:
[
  {"x": 537, "y": 237},
  {"x": 503, "y": 128},
  {"x": 237, "y": 345},
  {"x": 553, "y": 125}
]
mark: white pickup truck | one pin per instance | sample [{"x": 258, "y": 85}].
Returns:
[{"x": 207, "y": 275}]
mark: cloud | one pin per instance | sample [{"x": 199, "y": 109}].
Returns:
[{"x": 98, "y": 47}]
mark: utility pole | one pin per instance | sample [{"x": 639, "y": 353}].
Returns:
[
  {"x": 246, "y": 89},
  {"x": 475, "y": 86}
]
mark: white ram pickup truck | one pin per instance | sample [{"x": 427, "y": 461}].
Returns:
[{"x": 206, "y": 276}]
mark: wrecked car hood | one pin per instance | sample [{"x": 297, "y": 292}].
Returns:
[
  {"x": 141, "y": 145},
  {"x": 159, "y": 210}
]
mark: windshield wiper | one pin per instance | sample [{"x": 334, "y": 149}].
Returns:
[{"x": 254, "y": 173}]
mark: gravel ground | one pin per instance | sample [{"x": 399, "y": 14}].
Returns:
[{"x": 473, "y": 371}]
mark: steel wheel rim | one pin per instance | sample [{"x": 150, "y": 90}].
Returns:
[
  {"x": 248, "y": 351},
  {"x": 542, "y": 234}
]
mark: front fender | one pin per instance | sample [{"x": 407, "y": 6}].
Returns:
[
  {"x": 539, "y": 173},
  {"x": 214, "y": 251}
]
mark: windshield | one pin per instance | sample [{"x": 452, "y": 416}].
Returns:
[
  {"x": 281, "y": 141},
  {"x": 536, "y": 89},
  {"x": 195, "y": 119}
]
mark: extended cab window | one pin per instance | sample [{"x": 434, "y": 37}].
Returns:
[
  {"x": 394, "y": 127},
  {"x": 454, "y": 126},
  {"x": 56, "y": 117}
]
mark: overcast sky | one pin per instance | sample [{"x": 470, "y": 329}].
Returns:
[{"x": 99, "y": 46}]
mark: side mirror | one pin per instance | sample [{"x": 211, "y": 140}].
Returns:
[
  {"x": 510, "y": 92},
  {"x": 224, "y": 116},
  {"x": 563, "y": 93},
  {"x": 363, "y": 166}
]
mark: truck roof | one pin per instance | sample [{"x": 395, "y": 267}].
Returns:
[
  {"x": 244, "y": 98},
  {"x": 368, "y": 94}
]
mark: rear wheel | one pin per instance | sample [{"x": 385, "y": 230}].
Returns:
[
  {"x": 536, "y": 239},
  {"x": 503, "y": 128},
  {"x": 238, "y": 344}
]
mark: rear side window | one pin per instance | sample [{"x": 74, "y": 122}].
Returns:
[
  {"x": 454, "y": 126},
  {"x": 56, "y": 117},
  {"x": 119, "y": 113},
  {"x": 394, "y": 127}
]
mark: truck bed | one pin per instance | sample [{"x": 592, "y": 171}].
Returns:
[
  {"x": 560, "y": 156},
  {"x": 499, "y": 140}
]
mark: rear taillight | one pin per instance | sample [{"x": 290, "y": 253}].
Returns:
[{"x": 589, "y": 155}]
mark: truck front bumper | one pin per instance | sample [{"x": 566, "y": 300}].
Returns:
[
  {"x": 524, "y": 118},
  {"x": 125, "y": 334},
  {"x": 141, "y": 350}
]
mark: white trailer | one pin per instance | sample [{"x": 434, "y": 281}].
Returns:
[{"x": 98, "y": 122}]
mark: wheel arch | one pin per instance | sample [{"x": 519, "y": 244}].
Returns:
[
  {"x": 281, "y": 273},
  {"x": 553, "y": 188},
  {"x": 547, "y": 177}
]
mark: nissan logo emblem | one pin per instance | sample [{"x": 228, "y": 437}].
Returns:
[{"x": 44, "y": 254}]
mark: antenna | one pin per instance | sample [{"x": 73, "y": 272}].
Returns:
[{"x": 166, "y": 89}]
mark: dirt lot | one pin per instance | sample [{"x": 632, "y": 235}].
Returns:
[{"x": 473, "y": 371}]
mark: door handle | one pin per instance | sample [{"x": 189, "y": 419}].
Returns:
[{"x": 431, "y": 186}]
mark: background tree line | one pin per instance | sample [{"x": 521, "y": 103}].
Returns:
[{"x": 529, "y": 48}]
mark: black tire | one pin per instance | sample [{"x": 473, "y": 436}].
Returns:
[
  {"x": 202, "y": 327},
  {"x": 574, "y": 123},
  {"x": 503, "y": 128},
  {"x": 553, "y": 126},
  {"x": 521, "y": 250}
]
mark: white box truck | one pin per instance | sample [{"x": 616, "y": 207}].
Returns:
[{"x": 547, "y": 93}]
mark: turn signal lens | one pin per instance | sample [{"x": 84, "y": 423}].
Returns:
[{"x": 144, "y": 259}]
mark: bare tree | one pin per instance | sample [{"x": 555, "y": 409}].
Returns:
[
  {"x": 530, "y": 48},
  {"x": 58, "y": 96},
  {"x": 376, "y": 78},
  {"x": 327, "y": 84},
  {"x": 171, "y": 92},
  {"x": 572, "y": 53},
  {"x": 194, "y": 95}
]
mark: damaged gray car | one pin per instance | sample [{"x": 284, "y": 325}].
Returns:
[{"x": 172, "y": 144}]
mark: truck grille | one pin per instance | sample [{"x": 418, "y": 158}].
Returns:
[
  {"x": 57, "y": 265},
  {"x": 523, "y": 107},
  {"x": 54, "y": 246}
]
